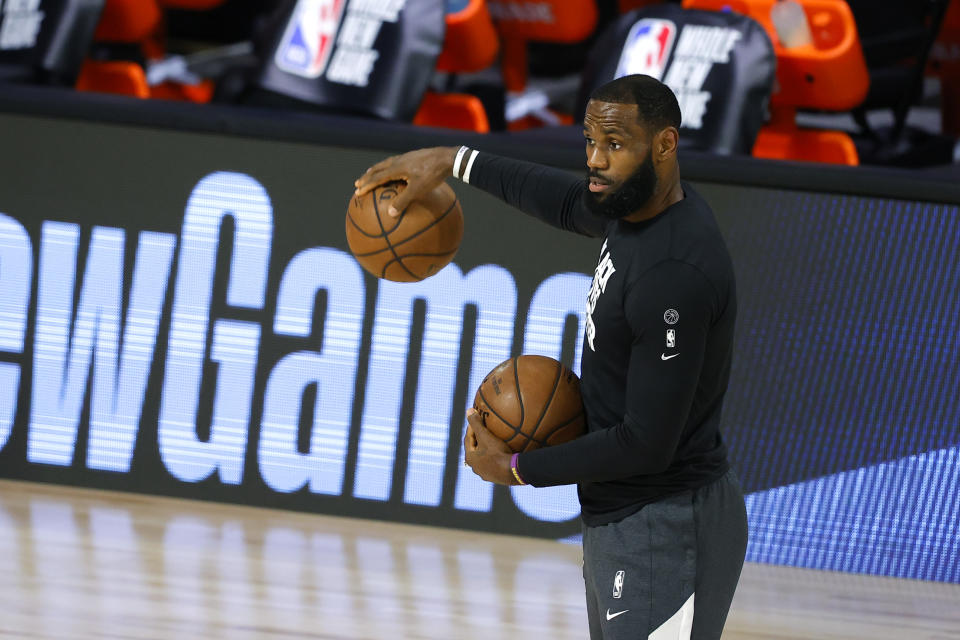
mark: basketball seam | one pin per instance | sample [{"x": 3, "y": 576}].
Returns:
[
  {"x": 516, "y": 430},
  {"x": 386, "y": 233},
  {"x": 386, "y": 238},
  {"x": 364, "y": 233},
  {"x": 560, "y": 426},
  {"x": 396, "y": 244},
  {"x": 516, "y": 380},
  {"x": 543, "y": 441},
  {"x": 416, "y": 255},
  {"x": 435, "y": 222},
  {"x": 546, "y": 406}
]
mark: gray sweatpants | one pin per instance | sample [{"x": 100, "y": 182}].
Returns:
[{"x": 667, "y": 572}]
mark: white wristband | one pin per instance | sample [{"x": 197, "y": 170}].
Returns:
[
  {"x": 456, "y": 162},
  {"x": 466, "y": 172}
]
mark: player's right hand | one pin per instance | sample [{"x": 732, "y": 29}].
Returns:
[{"x": 422, "y": 170}]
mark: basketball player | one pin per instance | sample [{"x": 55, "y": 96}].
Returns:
[{"x": 665, "y": 527}]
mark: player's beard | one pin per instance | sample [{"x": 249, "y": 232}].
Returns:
[{"x": 630, "y": 197}]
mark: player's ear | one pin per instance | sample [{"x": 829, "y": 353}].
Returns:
[{"x": 665, "y": 143}]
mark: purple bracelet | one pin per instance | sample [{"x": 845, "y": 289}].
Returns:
[{"x": 513, "y": 468}]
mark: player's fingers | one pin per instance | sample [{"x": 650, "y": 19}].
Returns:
[
  {"x": 481, "y": 433},
  {"x": 476, "y": 427},
  {"x": 364, "y": 180},
  {"x": 469, "y": 439},
  {"x": 485, "y": 439},
  {"x": 475, "y": 420},
  {"x": 376, "y": 177},
  {"x": 469, "y": 447},
  {"x": 403, "y": 200}
]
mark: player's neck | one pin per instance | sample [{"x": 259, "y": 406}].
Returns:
[{"x": 669, "y": 194}]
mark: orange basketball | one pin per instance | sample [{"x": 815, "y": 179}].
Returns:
[
  {"x": 416, "y": 244},
  {"x": 531, "y": 402}
]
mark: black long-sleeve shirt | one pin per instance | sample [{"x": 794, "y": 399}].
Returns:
[{"x": 657, "y": 350}]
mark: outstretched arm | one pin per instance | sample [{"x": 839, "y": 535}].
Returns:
[{"x": 552, "y": 195}]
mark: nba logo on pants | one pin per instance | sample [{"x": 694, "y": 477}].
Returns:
[
  {"x": 308, "y": 38},
  {"x": 647, "y": 48},
  {"x": 618, "y": 584}
]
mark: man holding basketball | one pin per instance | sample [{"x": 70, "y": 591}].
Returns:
[{"x": 665, "y": 527}]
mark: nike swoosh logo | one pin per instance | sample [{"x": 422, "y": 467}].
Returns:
[
  {"x": 664, "y": 356},
  {"x": 611, "y": 616}
]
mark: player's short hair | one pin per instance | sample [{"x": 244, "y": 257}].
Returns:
[{"x": 656, "y": 104}]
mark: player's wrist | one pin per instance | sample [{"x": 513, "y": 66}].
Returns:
[
  {"x": 514, "y": 471},
  {"x": 463, "y": 163}
]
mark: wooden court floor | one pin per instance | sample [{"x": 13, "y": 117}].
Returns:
[{"x": 79, "y": 564}]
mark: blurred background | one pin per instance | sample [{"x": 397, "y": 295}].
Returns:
[{"x": 855, "y": 82}]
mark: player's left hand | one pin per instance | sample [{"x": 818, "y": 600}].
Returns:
[{"x": 488, "y": 456}]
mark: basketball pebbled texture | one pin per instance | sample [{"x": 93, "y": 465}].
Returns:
[
  {"x": 418, "y": 243},
  {"x": 531, "y": 402}
]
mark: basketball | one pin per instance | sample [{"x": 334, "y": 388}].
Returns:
[
  {"x": 416, "y": 244},
  {"x": 531, "y": 402}
]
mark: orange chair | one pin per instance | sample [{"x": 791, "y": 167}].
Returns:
[
  {"x": 126, "y": 22},
  {"x": 138, "y": 22},
  {"x": 520, "y": 21},
  {"x": 113, "y": 76},
  {"x": 470, "y": 44},
  {"x": 452, "y": 111},
  {"x": 831, "y": 74}
]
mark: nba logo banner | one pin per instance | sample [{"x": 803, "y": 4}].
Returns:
[
  {"x": 647, "y": 48},
  {"x": 308, "y": 39}
]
